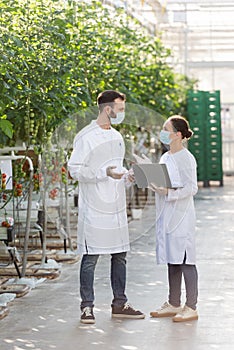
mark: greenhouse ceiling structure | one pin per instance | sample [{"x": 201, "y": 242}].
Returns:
[{"x": 201, "y": 35}]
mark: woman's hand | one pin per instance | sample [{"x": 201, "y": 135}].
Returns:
[
  {"x": 162, "y": 191},
  {"x": 130, "y": 176}
]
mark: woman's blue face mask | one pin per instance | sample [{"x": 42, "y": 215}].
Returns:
[{"x": 164, "y": 137}]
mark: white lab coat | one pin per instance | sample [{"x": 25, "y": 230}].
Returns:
[
  {"x": 102, "y": 217},
  {"x": 175, "y": 213}
]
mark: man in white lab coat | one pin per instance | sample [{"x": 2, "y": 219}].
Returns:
[{"x": 97, "y": 163}]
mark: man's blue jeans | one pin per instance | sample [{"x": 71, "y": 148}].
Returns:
[{"x": 118, "y": 279}]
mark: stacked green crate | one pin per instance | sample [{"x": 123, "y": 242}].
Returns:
[
  {"x": 206, "y": 144},
  {"x": 197, "y": 143},
  {"x": 214, "y": 137}
]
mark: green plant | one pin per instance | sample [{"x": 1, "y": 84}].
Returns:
[{"x": 56, "y": 56}]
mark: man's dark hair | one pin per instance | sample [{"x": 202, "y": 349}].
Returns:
[{"x": 106, "y": 98}]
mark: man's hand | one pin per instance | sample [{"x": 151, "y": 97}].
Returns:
[
  {"x": 162, "y": 191},
  {"x": 110, "y": 172},
  {"x": 142, "y": 160}
]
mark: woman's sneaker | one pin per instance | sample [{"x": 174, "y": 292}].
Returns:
[
  {"x": 187, "y": 314},
  {"x": 87, "y": 315},
  {"x": 166, "y": 310},
  {"x": 126, "y": 311}
]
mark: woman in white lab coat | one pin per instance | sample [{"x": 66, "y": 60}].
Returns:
[
  {"x": 97, "y": 163},
  {"x": 175, "y": 222}
]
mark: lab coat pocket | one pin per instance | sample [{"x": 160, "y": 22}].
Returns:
[
  {"x": 175, "y": 226},
  {"x": 103, "y": 221},
  {"x": 177, "y": 215}
]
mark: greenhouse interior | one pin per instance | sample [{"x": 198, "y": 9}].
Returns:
[{"x": 168, "y": 57}]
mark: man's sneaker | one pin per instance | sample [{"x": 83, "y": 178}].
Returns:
[
  {"x": 126, "y": 311},
  {"x": 87, "y": 315},
  {"x": 187, "y": 314},
  {"x": 166, "y": 310}
]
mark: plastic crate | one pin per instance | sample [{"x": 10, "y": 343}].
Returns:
[{"x": 203, "y": 110}]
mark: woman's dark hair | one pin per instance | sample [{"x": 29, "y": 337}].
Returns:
[
  {"x": 108, "y": 97},
  {"x": 181, "y": 124}
]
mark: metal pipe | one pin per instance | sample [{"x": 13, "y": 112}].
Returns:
[{"x": 29, "y": 206}]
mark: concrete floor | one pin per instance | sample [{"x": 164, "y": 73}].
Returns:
[{"x": 48, "y": 317}]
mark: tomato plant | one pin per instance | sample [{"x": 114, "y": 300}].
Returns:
[{"x": 56, "y": 56}]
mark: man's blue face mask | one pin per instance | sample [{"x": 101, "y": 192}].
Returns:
[{"x": 119, "y": 118}]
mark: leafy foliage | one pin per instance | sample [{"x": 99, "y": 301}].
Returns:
[
  {"x": 56, "y": 56},
  {"x": 5, "y": 127}
]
